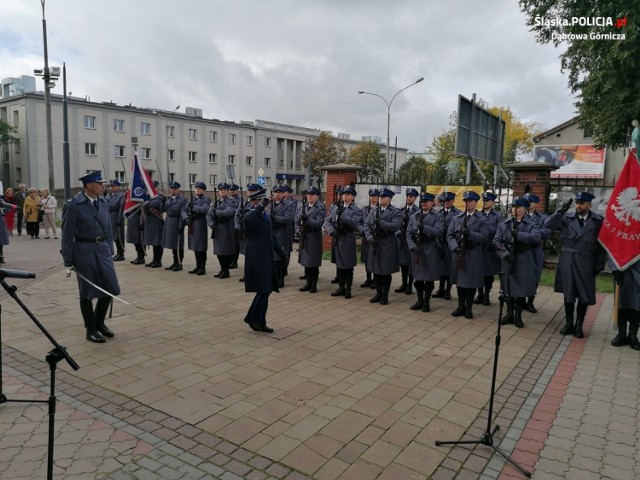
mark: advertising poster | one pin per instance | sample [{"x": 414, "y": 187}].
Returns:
[{"x": 574, "y": 161}]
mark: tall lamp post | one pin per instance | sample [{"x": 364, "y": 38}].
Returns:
[
  {"x": 49, "y": 75},
  {"x": 388, "y": 104},
  {"x": 166, "y": 136}
]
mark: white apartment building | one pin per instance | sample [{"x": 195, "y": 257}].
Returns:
[{"x": 180, "y": 146}]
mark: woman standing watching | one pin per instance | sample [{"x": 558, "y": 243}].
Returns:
[
  {"x": 31, "y": 209},
  {"x": 10, "y": 215},
  {"x": 48, "y": 205}
]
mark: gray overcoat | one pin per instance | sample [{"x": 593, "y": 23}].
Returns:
[
  {"x": 135, "y": 227},
  {"x": 116, "y": 212},
  {"x": 540, "y": 219},
  {"x": 471, "y": 275},
  {"x": 383, "y": 256},
  {"x": 404, "y": 255},
  {"x": 490, "y": 260},
  {"x": 153, "y": 221},
  {"x": 446, "y": 251},
  {"x": 311, "y": 255},
  {"x": 244, "y": 206},
  {"x": 516, "y": 276},
  {"x": 629, "y": 287},
  {"x": 173, "y": 233},
  {"x": 364, "y": 245},
  {"x": 198, "y": 239},
  {"x": 87, "y": 245},
  {"x": 283, "y": 214},
  {"x": 343, "y": 231},
  {"x": 581, "y": 258},
  {"x": 225, "y": 241},
  {"x": 423, "y": 233}
]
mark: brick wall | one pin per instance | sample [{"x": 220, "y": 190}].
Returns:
[
  {"x": 532, "y": 177},
  {"x": 333, "y": 178}
]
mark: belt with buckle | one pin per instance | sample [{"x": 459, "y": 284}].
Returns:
[{"x": 90, "y": 240}]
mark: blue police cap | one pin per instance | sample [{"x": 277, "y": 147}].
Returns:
[
  {"x": 287, "y": 188},
  {"x": 92, "y": 177},
  {"x": 258, "y": 194},
  {"x": 253, "y": 187},
  {"x": 412, "y": 191},
  {"x": 279, "y": 188},
  {"x": 174, "y": 185},
  {"x": 470, "y": 195},
  {"x": 374, "y": 192},
  {"x": 489, "y": 196},
  {"x": 427, "y": 197},
  {"x": 520, "y": 202},
  {"x": 201, "y": 185},
  {"x": 114, "y": 183},
  {"x": 531, "y": 198},
  {"x": 584, "y": 197},
  {"x": 350, "y": 190},
  {"x": 233, "y": 187},
  {"x": 385, "y": 192},
  {"x": 313, "y": 191},
  {"x": 447, "y": 196},
  {"x": 223, "y": 186}
]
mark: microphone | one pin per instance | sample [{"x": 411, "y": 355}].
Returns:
[{"x": 7, "y": 273}]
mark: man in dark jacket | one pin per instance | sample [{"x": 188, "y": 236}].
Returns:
[
  {"x": 87, "y": 246},
  {"x": 581, "y": 259},
  {"x": 20, "y": 197},
  {"x": 259, "y": 272}
]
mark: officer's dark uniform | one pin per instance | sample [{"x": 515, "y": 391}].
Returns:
[
  {"x": 153, "y": 227},
  {"x": 581, "y": 259},
  {"x": 195, "y": 216},
  {"x": 425, "y": 229},
  {"x": 404, "y": 255},
  {"x": 541, "y": 219},
  {"x": 444, "y": 289},
  {"x": 87, "y": 245},
  {"x": 491, "y": 261},
  {"x": 364, "y": 245},
  {"x": 238, "y": 220},
  {"x": 173, "y": 233},
  {"x": 116, "y": 212},
  {"x": 220, "y": 219},
  {"x": 283, "y": 215},
  {"x": 629, "y": 306},
  {"x": 309, "y": 220},
  {"x": 234, "y": 192}
]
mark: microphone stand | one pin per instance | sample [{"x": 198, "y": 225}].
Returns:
[
  {"x": 487, "y": 437},
  {"x": 52, "y": 358}
]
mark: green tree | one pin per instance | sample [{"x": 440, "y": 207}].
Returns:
[
  {"x": 7, "y": 133},
  {"x": 413, "y": 172},
  {"x": 603, "y": 73},
  {"x": 323, "y": 150},
  {"x": 447, "y": 167},
  {"x": 370, "y": 159}
]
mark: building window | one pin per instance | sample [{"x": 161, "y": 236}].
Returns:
[
  {"x": 192, "y": 179},
  {"x": 120, "y": 176},
  {"x": 192, "y": 134},
  {"x": 193, "y": 156},
  {"x": 213, "y": 136},
  {"x": 89, "y": 122},
  {"x": 213, "y": 158},
  {"x": 171, "y": 155},
  {"x": 267, "y": 181},
  {"x": 146, "y": 153},
  {"x": 17, "y": 150},
  {"x": 171, "y": 131},
  {"x": 118, "y": 125},
  {"x": 267, "y": 162},
  {"x": 16, "y": 118},
  {"x": 118, "y": 151},
  {"x": 213, "y": 179},
  {"x": 249, "y": 140},
  {"x": 249, "y": 161},
  {"x": 89, "y": 148},
  {"x": 267, "y": 142},
  {"x": 282, "y": 163},
  {"x": 249, "y": 179},
  {"x": 232, "y": 159},
  {"x": 232, "y": 138},
  {"x": 145, "y": 128},
  {"x": 172, "y": 177}
]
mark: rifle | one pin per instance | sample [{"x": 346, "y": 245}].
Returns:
[
  {"x": 241, "y": 216},
  {"x": 190, "y": 211},
  {"x": 405, "y": 218},
  {"x": 419, "y": 236},
  {"x": 376, "y": 232},
  {"x": 303, "y": 224},
  {"x": 215, "y": 216},
  {"x": 462, "y": 243}
]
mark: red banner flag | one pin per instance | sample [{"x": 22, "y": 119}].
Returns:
[
  {"x": 620, "y": 232},
  {"x": 141, "y": 188}
]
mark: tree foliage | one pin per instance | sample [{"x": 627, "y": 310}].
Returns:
[
  {"x": 321, "y": 151},
  {"x": 370, "y": 159},
  {"x": 603, "y": 73},
  {"x": 7, "y": 133},
  {"x": 415, "y": 171}
]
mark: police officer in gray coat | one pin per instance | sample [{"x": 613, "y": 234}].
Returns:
[
  {"x": 628, "y": 281},
  {"x": 448, "y": 211},
  {"x": 153, "y": 227},
  {"x": 220, "y": 219},
  {"x": 342, "y": 225},
  {"x": 173, "y": 232},
  {"x": 491, "y": 261},
  {"x": 425, "y": 228},
  {"x": 374, "y": 193},
  {"x": 116, "y": 212},
  {"x": 244, "y": 206},
  {"x": 404, "y": 254},
  {"x": 195, "y": 217},
  {"x": 380, "y": 229},
  {"x": 283, "y": 215},
  {"x": 541, "y": 219},
  {"x": 581, "y": 259},
  {"x": 135, "y": 234},
  {"x": 467, "y": 235},
  {"x": 87, "y": 246},
  {"x": 515, "y": 241},
  {"x": 309, "y": 221}
]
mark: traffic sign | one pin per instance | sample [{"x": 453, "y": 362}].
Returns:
[
  {"x": 261, "y": 180},
  {"x": 260, "y": 171}
]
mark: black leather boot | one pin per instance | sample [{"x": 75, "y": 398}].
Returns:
[
  {"x": 509, "y": 316},
  {"x": 517, "y": 315},
  {"x": 468, "y": 303},
  {"x": 428, "y": 289},
  {"x": 530, "y": 307},
  {"x": 348, "y": 282},
  {"x": 420, "y": 293},
  {"x": 447, "y": 290},
  {"x": 341, "y": 290},
  {"x": 568, "y": 328},
  {"x": 367, "y": 282},
  {"x": 479, "y": 298},
  {"x": 440, "y": 292},
  {"x": 314, "y": 283},
  {"x": 485, "y": 298},
  {"x": 100, "y": 313},
  {"x": 92, "y": 334},
  {"x": 633, "y": 334},
  {"x": 580, "y": 314},
  {"x": 378, "y": 296},
  {"x": 409, "y": 289},
  {"x": 621, "y": 338},
  {"x": 307, "y": 277},
  {"x": 385, "y": 292},
  {"x": 460, "y": 311}
]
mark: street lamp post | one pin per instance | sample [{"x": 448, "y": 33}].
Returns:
[
  {"x": 166, "y": 136},
  {"x": 388, "y": 104}
]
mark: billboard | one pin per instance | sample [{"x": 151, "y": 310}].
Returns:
[
  {"x": 574, "y": 161},
  {"x": 479, "y": 133}
]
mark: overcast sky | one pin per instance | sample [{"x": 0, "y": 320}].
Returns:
[{"x": 295, "y": 61}]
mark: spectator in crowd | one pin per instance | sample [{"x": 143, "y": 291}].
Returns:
[
  {"x": 48, "y": 205},
  {"x": 10, "y": 214},
  {"x": 20, "y": 197},
  {"x": 31, "y": 211}
]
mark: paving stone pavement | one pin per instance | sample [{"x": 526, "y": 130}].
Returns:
[{"x": 342, "y": 389}]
